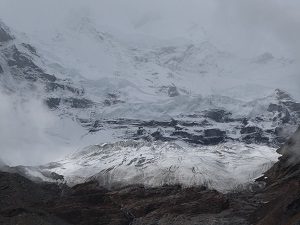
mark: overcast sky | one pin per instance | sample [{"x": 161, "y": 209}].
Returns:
[
  {"x": 246, "y": 27},
  {"x": 241, "y": 25}
]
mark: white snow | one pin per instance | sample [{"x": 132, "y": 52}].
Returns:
[{"x": 223, "y": 167}]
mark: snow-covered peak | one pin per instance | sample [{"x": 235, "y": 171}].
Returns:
[
  {"x": 223, "y": 167},
  {"x": 104, "y": 86}
]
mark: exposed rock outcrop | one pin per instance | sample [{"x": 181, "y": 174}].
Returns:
[{"x": 282, "y": 192}]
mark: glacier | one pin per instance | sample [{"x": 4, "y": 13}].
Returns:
[{"x": 170, "y": 111}]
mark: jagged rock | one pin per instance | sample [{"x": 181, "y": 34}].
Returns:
[
  {"x": 282, "y": 95},
  {"x": 213, "y": 136},
  {"x": 275, "y": 108},
  {"x": 141, "y": 131},
  {"x": 159, "y": 136},
  {"x": 182, "y": 134},
  {"x": 255, "y": 138},
  {"x": 79, "y": 103},
  {"x": 47, "y": 77},
  {"x": 178, "y": 128},
  {"x": 164, "y": 124},
  {"x": 20, "y": 60},
  {"x": 52, "y": 86},
  {"x": 218, "y": 115},
  {"x": 283, "y": 184},
  {"x": 253, "y": 134},
  {"x": 112, "y": 99},
  {"x": 188, "y": 124},
  {"x": 251, "y": 130},
  {"x": 53, "y": 103},
  {"x": 188, "y": 137},
  {"x": 1, "y": 70},
  {"x": 214, "y": 133},
  {"x": 213, "y": 140},
  {"x": 4, "y": 34},
  {"x": 245, "y": 121},
  {"x": 293, "y": 106},
  {"x": 56, "y": 176},
  {"x": 30, "y": 48},
  {"x": 281, "y": 113}
]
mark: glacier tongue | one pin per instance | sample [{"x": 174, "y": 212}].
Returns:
[{"x": 223, "y": 167}]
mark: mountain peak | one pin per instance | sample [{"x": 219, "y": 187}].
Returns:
[
  {"x": 282, "y": 95},
  {"x": 4, "y": 33}
]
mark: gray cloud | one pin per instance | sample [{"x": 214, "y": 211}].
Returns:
[
  {"x": 262, "y": 23},
  {"x": 23, "y": 132},
  {"x": 248, "y": 25}
]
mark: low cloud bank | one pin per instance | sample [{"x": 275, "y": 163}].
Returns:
[{"x": 24, "y": 137}]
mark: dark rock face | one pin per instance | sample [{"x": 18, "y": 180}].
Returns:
[
  {"x": 19, "y": 60},
  {"x": 282, "y": 193},
  {"x": 112, "y": 99},
  {"x": 293, "y": 106},
  {"x": 89, "y": 204},
  {"x": 275, "y": 108},
  {"x": 4, "y": 34},
  {"x": 214, "y": 133},
  {"x": 30, "y": 48},
  {"x": 255, "y": 138},
  {"x": 281, "y": 95},
  {"x": 218, "y": 115},
  {"x": 214, "y": 136},
  {"x": 28, "y": 75},
  {"x": 20, "y": 201},
  {"x": 251, "y": 130},
  {"x": 172, "y": 91},
  {"x": 210, "y": 137},
  {"x": 53, "y": 103},
  {"x": 253, "y": 134},
  {"x": 79, "y": 103},
  {"x": 54, "y": 86},
  {"x": 159, "y": 136}
]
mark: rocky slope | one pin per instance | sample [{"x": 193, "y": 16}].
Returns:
[
  {"x": 276, "y": 202},
  {"x": 282, "y": 193}
]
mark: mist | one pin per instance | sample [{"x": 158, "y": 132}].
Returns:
[
  {"x": 245, "y": 27},
  {"x": 23, "y": 132}
]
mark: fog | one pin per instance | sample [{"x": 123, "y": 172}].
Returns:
[
  {"x": 23, "y": 132},
  {"x": 251, "y": 26},
  {"x": 245, "y": 27}
]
